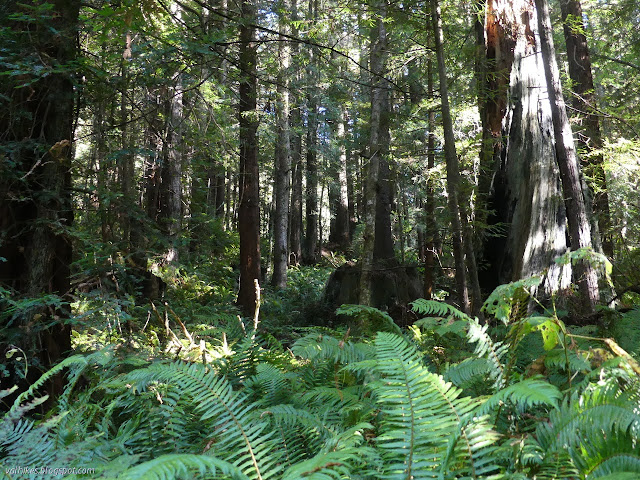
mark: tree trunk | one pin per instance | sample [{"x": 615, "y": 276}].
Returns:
[
  {"x": 171, "y": 192},
  {"x": 36, "y": 129},
  {"x": 310, "y": 254},
  {"x": 340, "y": 205},
  {"x": 283, "y": 165},
  {"x": 583, "y": 101},
  {"x": 377, "y": 149},
  {"x": 526, "y": 195},
  {"x": 431, "y": 230},
  {"x": 295, "y": 225},
  {"x": 451, "y": 157},
  {"x": 249, "y": 208},
  {"x": 125, "y": 159},
  {"x": 577, "y": 215}
]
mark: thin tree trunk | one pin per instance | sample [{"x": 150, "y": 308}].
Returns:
[
  {"x": 431, "y": 231},
  {"x": 453, "y": 173},
  {"x": 295, "y": 225},
  {"x": 171, "y": 202},
  {"x": 125, "y": 159},
  {"x": 584, "y": 102},
  {"x": 310, "y": 254},
  {"x": 283, "y": 164},
  {"x": 379, "y": 94},
  {"x": 577, "y": 215},
  {"x": 340, "y": 231},
  {"x": 249, "y": 208}
]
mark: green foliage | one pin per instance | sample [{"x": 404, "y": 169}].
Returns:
[{"x": 337, "y": 407}]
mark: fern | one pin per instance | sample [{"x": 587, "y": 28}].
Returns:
[
  {"x": 168, "y": 467},
  {"x": 467, "y": 371},
  {"x": 438, "y": 309},
  {"x": 599, "y": 428},
  {"x": 318, "y": 348},
  {"x": 239, "y": 436},
  {"x": 525, "y": 394},
  {"x": 419, "y": 411},
  {"x": 380, "y": 320},
  {"x": 487, "y": 348}
]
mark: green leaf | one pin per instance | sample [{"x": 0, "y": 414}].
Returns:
[{"x": 549, "y": 330}]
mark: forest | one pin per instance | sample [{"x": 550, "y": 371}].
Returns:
[{"x": 320, "y": 239}]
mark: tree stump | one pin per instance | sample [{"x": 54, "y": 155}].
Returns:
[{"x": 394, "y": 287}]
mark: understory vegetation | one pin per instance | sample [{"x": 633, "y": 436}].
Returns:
[{"x": 186, "y": 388}]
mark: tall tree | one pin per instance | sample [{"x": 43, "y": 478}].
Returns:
[
  {"x": 283, "y": 160},
  {"x": 249, "y": 192},
  {"x": 297, "y": 167},
  {"x": 310, "y": 253},
  {"x": 171, "y": 191},
  {"x": 339, "y": 231},
  {"x": 453, "y": 169},
  {"x": 577, "y": 212},
  {"x": 525, "y": 189},
  {"x": 37, "y": 133},
  {"x": 589, "y": 138},
  {"x": 378, "y": 144},
  {"x": 431, "y": 230}
]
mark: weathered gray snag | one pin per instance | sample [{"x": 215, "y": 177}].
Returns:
[
  {"x": 577, "y": 214},
  {"x": 526, "y": 194}
]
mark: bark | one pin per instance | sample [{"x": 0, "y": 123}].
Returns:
[
  {"x": 577, "y": 214},
  {"x": 526, "y": 195},
  {"x": 125, "y": 159},
  {"x": 249, "y": 189},
  {"x": 310, "y": 254},
  {"x": 283, "y": 165},
  {"x": 583, "y": 101},
  {"x": 171, "y": 174},
  {"x": 295, "y": 225},
  {"x": 295, "y": 231},
  {"x": 453, "y": 173},
  {"x": 339, "y": 234},
  {"x": 431, "y": 231},
  {"x": 378, "y": 143},
  {"x": 36, "y": 130}
]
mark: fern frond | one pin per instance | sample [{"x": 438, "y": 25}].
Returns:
[
  {"x": 466, "y": 371},
  {"x": 607, "y": 456},
  {"x": 317, "y": 348},
  {"x": 525, "y": 394},
  {"x": 599, "y": 428},
  {"x": 473, "y": 450},
  {"x": 340, "y": 464},
  {"x": 242, "y": 438},
  {"x": 556, "y": 465},
  {"x": 67, "y": 362},
  {"x": 487, "y": 348},
  {"x": 419, "y": 411},
  {"x": 173, "y": 466},
  {"x": 270, "y": 384},
  {"x": 605, "y": 409},
  {"x": 438, "y": 309},
  {"x": 382, "y": 321}
]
